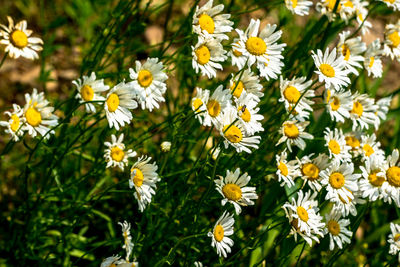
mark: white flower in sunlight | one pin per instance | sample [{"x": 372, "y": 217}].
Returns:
[
  {"x": 296, "y": 91},
  {"x": 394, "y": 4},
  {"x": 391, "y": 44},
  {"x": 115, "y": 153},
  {"x": 373, "y": 62},
  {"x": 237, "y": 57},
  {"x": 199, "y": 102},
  {"x": 372, "y": 179},
  {"x": 165, "y": 146},
  {"x": 364, "y": 110},
  {"x": 311, "y": 168},
  {"x": 14, "y": 123},
  {"x": 286, "y": 171},
  {"x": 248, "y": 114},
  {"x": 220, "y": 235},
  {"x": 298, "y": 7},
  {"x": 337, "y": 146},
  {"x": 383, "y": 108},
  {"x": 391, "y": 186},
  {"x": 293, "y": 134},
  {"x": 336, "y": 228},
  {"x": 370, "y": 147},
  {"x": 215, "y": 106},
  {"x": 338, "y": 104},
  {"x": 351, "y": 49},
  {"x": 249, "y": 83},
  {"x": 394, "y": 239},
  {"x": 126, "y": 233},
  {"x": 111, "y": 261},
  {"x": 361, "y": 16}
]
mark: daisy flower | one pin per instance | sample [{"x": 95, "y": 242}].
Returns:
[
  {"x": 383, "y": 108},
  {"x": 14, "y": 123},
  {"x": 260, "y": 48},
  {"x": 336, "y": 228},
  {"x": 18, "y": 41},
  {"x": 392, "y": 172},
  {"x": 207, "y": 55},
  {"x": 326, "y": 7},
  {"x": 126, "y": 233},
  {"x": 111, "y": 261},
  {"x": 331, "y": 69},
  {"x": 391, "y": 44},
  {"x": 351, "y": 49},
  {"x": 144, "y": 178},
  {"x": 165, "y": 146},
  {"x": 298, "y": 7},
  {"x": 198, "y": 264},
  {"x": 249, "y": 83},
  {"x": 361, "y": 15},
  {"x": 340, "y": 181},
  {"x": 248, "y": 114},
  {"x": 208, "y": 18},
  {"x": 394, "y": 239},
  {"x": 219, "y": 236},
  {"x": 298, "y": 112},
  {"x": 286, "y": 171},
  {"x": 371, "y": 147},
  {"x": 339, "y": 105},
  {"x": 293, "y": 134},
  {"x": 118, "y": 102},
  {"x": 88, "y": 89},
  {"x": 394, "y": 4},
  {"x": 149, "y": 83},
  {"x": 292, "y": 90},
  {"x": 373, "y": 62},
  {"x": 372, "y": 179},
  {"x": 311, "y": 168},
  {"x": 234, "y": 190},
  {"x": 199, "y": 103},
  {"x": 126, "y": 263},
  {"x": 353, "y": 140},
  {"x": 115, "y": 153},
  {"x": 235, "y": 133},
  {"x": 336, "y": 143},
  {"x": 215, "y": 105},
  {"x": 38, "y": 115},
  {"x": 348, "y": 206},
  {"x": 270, "y": 70},
  {"x": 237, "y": 57},
  {"x": 304, "y": 217},
  {"x": 363, "y": 112}
]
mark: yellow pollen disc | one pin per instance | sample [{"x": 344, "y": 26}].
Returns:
[
  {"x": 352, "y": 141},
  {"x": 206, "y": 23},
  {"x": 328, "y": 95},
  {"x": 333, "y": 227},
  {"x": 138, "y": 178},
  {"x": 371, "y": 62},
  {"x": 335, "y": 104},
  {"x": 327, "y": 70},
  {"x": 311, "y": 171},
  {"x": 331, "y": 5},
  {"x": 303, "y": 214},
  {"x": 87, "y": 93},
  {"x": 214, "y": 108},
  {"x": 283, "y": 168},
  {"x": 197, "y": 103},
  {"x": 368, "y": 150},
  {"x": 336, "y": 180},
  {"x": 334, "y": 147},
  {"x": 145, "y": 78},
  {"x": 291, "y": 94},
  {"x": 238, "y": 90},
  {"x": 112, "y": 102},
  {"x": 291, "y": 130},
  {"x": 256, "y": 46},
  {"x": 232, "y": 192},
  {"x": 393, "y": 176},
  {"x": 203, "y": 54},
  {"x": 219, "y": 233},
  {"x": 33, "y": 117},
  {"x": 294, "y": 3},
  {"x": 246, "y": 116},
  {"x": 390, "y": 1},
  {"x": 346, "y": 52},
  {"x": 375, "y": 180},
  {"x": 233, "y": 134},
  {"x": 349, "y": 4},
  {"x": 15, "y": 123},
  {"x": 394, "y": 37},
  {"x": 357, "y": 108},
  {"x": 117, "y": 154},
  {"x": 19, "y": 39},
  {"x": 396, "y": 237}
]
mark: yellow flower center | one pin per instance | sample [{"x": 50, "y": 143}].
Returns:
[
  {"x": 390, "y": 1},
  {"x": 203, "y": 54},
  {"x": 197, "y": 103},
  {"x": 393, "y": 176},
  {"x": 291, "y": 94},
  {"x": 346, "y": 52},
  {"x": 138, "y": 178},
  {"x": 206, "y": 23},
  {"x": 238, "y": 90},
  {"x": 334, "y": 147},
  {"x": 219, "y": 233},
  {"x": 283, "y": 168},
  {"x": 368, "y": 150},
  {"x": 291, "y": 130},
  {"x": 336, "y": 180},
  {"x": 256, "y": 46},
  {"x": 87, "y": 93},
  {"x": 145, "y": 78},
  {"x": 357, "y": 108},
  {"x": 394, "y": 38},
  {"x": 333, "y": 227},
  {"x": 327, "y": 70},
  {"x": 232, "y": 192},
  {"x": 352, "y": 141},
  {"x": 246, "y": 116},
  {"x": 112, "y": 102},
  {"x": 335, "y": 104},
  {"x": 233, "y": 134},
  {"x": 328, "y": 95},
  {"x": 117, "y": 154},
  {"x": 214, "y": 108},
  {"x": 311, "y": 171},
  {"x": 371, "y": 62},
  {"x": 33, "y": 117},
  {"x": 294, "y": 3},
  {"x": 15, "y": 122},
  {"x": 375, "y": 180},
  {"x": 396, "y": 237},
  {"x": 19, "y": 39},
  {"x": 331, "y": 5},
  {"x": 303, "y": 214},
  {"x": 349, "y": 4}
]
